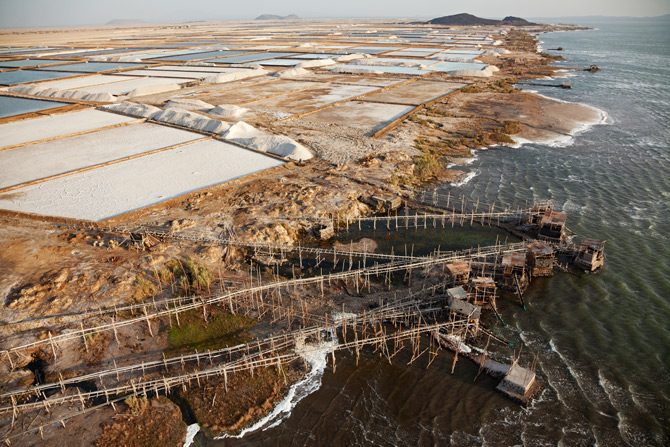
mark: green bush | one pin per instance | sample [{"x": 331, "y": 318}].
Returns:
[{"x": 427, "y": 165}]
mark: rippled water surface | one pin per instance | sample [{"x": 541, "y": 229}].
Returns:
[{"x": 603, "y": 340}]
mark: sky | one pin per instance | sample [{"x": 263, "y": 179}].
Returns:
[{"x": 37, "y": 13}]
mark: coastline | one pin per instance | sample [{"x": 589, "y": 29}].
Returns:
[{"x": 542, "y": 120}]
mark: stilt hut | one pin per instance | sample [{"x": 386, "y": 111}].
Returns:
[
  {"x": 483, "y": 291},
  {"x": 552, "y": 225},
  {"x": 591, "y": 255},
  {"x": 541, "y": 258},
  {"x": 514, "y": 264},
  {"x": 459, "y": 273}
]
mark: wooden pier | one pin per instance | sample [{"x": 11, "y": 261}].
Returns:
[{"x": 457, "y": 286}]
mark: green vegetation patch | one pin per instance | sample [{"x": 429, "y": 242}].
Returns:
[
  {"x": 427, "y": 165},
  {"x": 219, "y": 331},
  {"x": 190, "y": 276}
]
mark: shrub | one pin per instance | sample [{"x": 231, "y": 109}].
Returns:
[
  {"x": 427, "y": 165},
  {"x": 511, "y": 127}
]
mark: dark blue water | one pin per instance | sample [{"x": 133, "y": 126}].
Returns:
[{"x": 603, "y": 340}]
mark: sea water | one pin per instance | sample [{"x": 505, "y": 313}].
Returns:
[{"x": 603, "y": 340}]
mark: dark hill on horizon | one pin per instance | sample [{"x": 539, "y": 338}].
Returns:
[
  {"x": 276, "y": 17},
  {"x": 470, "y": 20}
]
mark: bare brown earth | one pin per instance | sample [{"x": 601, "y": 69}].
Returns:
[
  {"x": 48, "y": 272},
  {"x": 146, "y": 423}
]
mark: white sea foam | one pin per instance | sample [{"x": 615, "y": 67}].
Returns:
[
  {"x": 472, "y": 174},
  {"x": 316, "y": 356},
  {"x": 564, "y": 140},
  {"x": 191, "y": 431}
]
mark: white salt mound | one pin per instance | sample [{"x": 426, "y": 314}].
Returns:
[
  {"x": 35, "y": 90},
  {"x": 239, "y": 132},
  {"x": 485, "y": 73},
  {"x": 153, "y": 89},
  {"x": 351, "y": 57},
  {"x": 242, "y": 130},
  {"x": 188, "y": 104},
  {"x": 291, "y": 72},
  {"x": 316, "y": 63},
  {"x": 191, "y": 120},
  {"x": 234, "y": 76},
  {"x": 279, "y": 145},
  {"x": 133, "y": 109},
  {"x": 228, "y": 111}
]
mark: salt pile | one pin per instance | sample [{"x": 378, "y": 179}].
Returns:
[
  {"x": 240, "y": 132},
  {"x": 134, "y": 109},
  {"x": 191, "y": 120},
  {"x": 280, "y": 145},
  {"x": 291, "y": 73},
  {"x": 35, "y": 90},
  {"x": 352, "y": 57},
  {"x": 188, "y": 104},
  {"x": 235, "y": 76},
  {"x": 485, "y": 73},
  {"x": 228, "y": 111},
  {"x": 316, "y": 63}
]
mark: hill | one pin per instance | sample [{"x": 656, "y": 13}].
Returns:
[
  {"x": 276, "y": 17},
  {"x": 470, "y": 20}
]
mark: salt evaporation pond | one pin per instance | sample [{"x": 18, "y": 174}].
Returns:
[
  {"x": 42, "y": 160},
  {"x": 11, "y": 106},
  {"x": 249, "y": 58},
  {"x": 8, "y": 78},
  {"x": 25, "y": 131},
  {"x": 30, "y": 63},
  {"x": 119, "y": 188},
  {"x": 192, "y": 56},
  {"x": 96, "y": 67},
  {"x": 282, "y": 62},
  {"x": 446, "y": 67}
]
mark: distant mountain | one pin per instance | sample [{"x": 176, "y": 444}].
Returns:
[
  {"x": 470, "y": 20},
  {"x": 276, "y": 17},
  {"x": 117, "y": 22}
]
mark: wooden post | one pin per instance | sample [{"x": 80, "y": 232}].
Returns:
[{"x": 83, "y": 336}]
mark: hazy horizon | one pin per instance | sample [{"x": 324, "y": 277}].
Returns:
[{"x": 48, "y": 13}]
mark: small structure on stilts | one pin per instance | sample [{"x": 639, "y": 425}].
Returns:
[
  {"x": 514, "y": 264},
  {"x": 541, "y": 259},
  {"x": 552, "y": 227},
  {"x": 459, "y": 273},
  {"x": 591, "y": 255},
  {"x": 483, "y": 291}
]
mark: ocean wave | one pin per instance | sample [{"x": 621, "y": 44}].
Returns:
[
  {"x": 565, "y": 140},
  {"x": 472, "y": 174},
  {"x": 316, "y": 356},
  {"x": 191, "y": 431}
]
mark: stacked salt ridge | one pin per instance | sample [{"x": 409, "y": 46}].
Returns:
[
  {"x": 240, "y": 132},
  {"x": 83, "y": 94}
]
